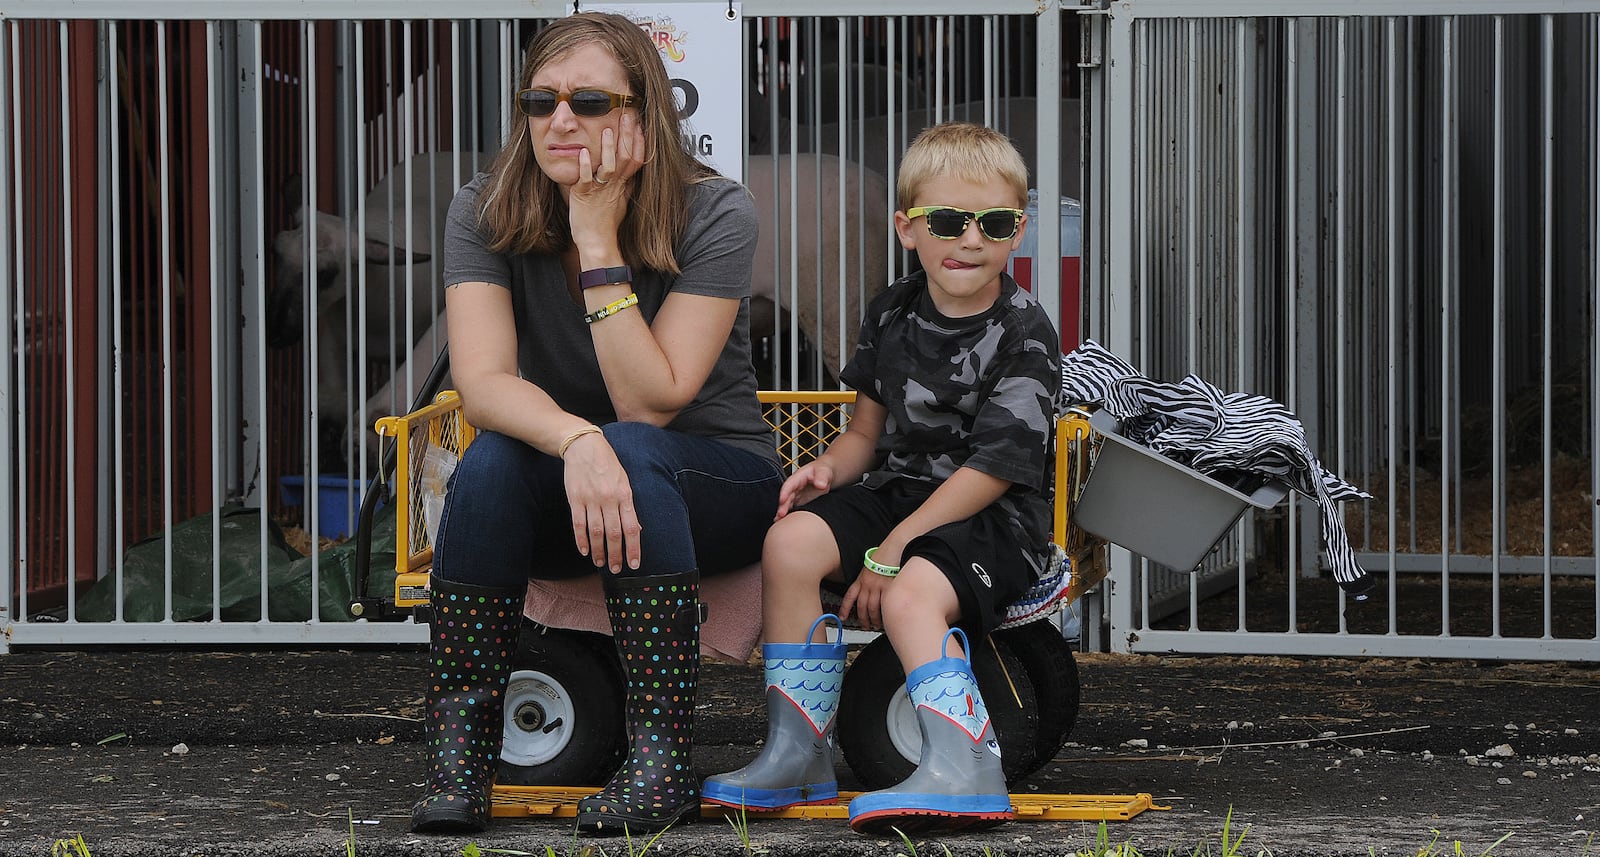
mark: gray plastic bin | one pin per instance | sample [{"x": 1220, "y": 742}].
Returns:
[{"x": 1156, "y": 507}]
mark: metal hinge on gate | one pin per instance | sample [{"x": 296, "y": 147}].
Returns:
[{"x": 1092, "y": 44}]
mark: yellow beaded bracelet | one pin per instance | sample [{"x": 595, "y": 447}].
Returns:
[
  {"x": 876, "y": 567},
  {"x": 612, "y": 308}
]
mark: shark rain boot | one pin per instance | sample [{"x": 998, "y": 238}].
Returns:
[
  {"x": 795, "y": 766},
  {"x": 656, "y": 623},
  {"x": 473, "y": 637},
  {"x": 958, "y": 783}
]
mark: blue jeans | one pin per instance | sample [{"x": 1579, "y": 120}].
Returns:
[{"x": 701, "y": 504}]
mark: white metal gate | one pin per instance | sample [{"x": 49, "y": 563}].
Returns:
[
  {"x": 1388, "y": 222},
  {"x": 160, "y": 367},
  {"x": 1386, "y": 216}
]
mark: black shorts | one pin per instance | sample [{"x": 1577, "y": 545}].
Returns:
[{"x": 980, "y": 555}]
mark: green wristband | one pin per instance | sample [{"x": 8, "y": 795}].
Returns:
[{"x": 876, "y": 567}]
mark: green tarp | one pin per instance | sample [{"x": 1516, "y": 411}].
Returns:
[{"x": 239, "y": 583}]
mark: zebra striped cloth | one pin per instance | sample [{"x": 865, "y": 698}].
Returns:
[{"x": 1196, "y": 424}]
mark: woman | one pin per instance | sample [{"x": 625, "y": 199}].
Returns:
[{"x": 598, "y": 281}]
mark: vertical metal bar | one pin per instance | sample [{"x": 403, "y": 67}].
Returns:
[
  {"x": 69, "y": 320},
  {"x": 313, "y": 492},
  {"x": 792, "y": 82},
  {"x": 1497, "y": 310},
  {"x": 508, "y": 73},
  {"x": 1191, "y": 219},
  {"x": 861, "y": 181},
  {"x": 1412, "y": 279},
  {"x": 458, "y": 98},
  {"x": 1448, "y": 140},
  {"x": 19, "y": 339},
  {"x": 1310, "y": 254},
  {"x": 114, "y": 192},
  {"x": 359, "y": 48},
  {"x": 1341, "y": 251},
  {"x": 409, "y": 95},
  {"x": 1391, "y": 65},
  {"x": 252, "y": 77},
  {"x": 164, "y": 233},
  {"x": 12, "y": 579},
  {"x": 841, "y": 294},
  {"x": 778, "y": 247},
  {"x": 1144, "y": 169},
  {"x": 1110, "y": 260},
  {"x": 312, "y": 385},
  {"x": 1594, "y": 310},
  {"x": 938, "y": 69},
  {"x": 1292, "y": 272},
  {"x": 988, "y": 71},
  {"x": 1047, "y": 268},
  {"x": 813, "y": 60},
  {"x": 348, "y": 139},
  {"x": 1593, "y": 114},
  {"x": 1191, "y": 222},
  {"x": 214, "y": 278},
  {"x": 1244, "y": 280},
  {"x": 1547, "y": 111},
  {"x": 890, "y": 165}
]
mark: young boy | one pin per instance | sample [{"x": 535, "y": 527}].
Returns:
[{"x": 930, "y": 506}]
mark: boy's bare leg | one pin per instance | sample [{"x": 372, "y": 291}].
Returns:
[
  {"x": 798, "y": 554},
  {"x": 917, "y": 612}
]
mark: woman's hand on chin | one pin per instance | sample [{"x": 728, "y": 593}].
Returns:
[{"x": 599, "y": 200}]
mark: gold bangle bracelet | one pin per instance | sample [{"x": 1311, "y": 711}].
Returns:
[
  {"x": 612, "y": 308},
  {"x": 566, "y": 442}
]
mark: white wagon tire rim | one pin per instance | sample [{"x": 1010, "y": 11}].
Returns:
[
  {"x": 904, "y": 733},
  {"x": 539, "y": 719}
]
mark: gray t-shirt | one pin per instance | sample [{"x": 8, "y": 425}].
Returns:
[{"x": 554, "y": 348}]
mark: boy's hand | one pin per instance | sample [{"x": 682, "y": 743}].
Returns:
[
  {"x": 811, "y": 481},
  {"x": 865, "y": 597}
]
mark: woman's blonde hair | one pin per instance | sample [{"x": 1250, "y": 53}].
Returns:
[
  {"x": 965, "y": 151},
  {"x": 523, "y": 210}
]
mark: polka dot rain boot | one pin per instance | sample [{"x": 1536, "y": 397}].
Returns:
[
  {"x": 473, "y": 637},
  {"x": 656, "y": 623},
  {"x": 795, "y": 766}
]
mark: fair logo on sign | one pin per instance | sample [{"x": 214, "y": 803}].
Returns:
[{"x": 664, "y": 34}]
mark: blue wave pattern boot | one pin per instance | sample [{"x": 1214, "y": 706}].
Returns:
[
  {"x": 958, "y": 783},
  {"x": 795, "y": 766},
  {"x": 473, "y": 638},
  {"x": 656, "y": 623}
]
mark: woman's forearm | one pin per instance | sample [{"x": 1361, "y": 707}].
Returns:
[{"x": 653, "y": 371}]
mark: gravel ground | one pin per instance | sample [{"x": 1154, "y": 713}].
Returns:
[{"x": 169, "y": 752}]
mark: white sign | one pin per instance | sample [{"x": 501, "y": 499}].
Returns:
[{"x": 701, "y": 46}]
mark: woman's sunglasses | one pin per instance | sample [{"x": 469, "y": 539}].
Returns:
[
  {"x": 996, "y": 224},
  {"x": 584, "y": 102}
]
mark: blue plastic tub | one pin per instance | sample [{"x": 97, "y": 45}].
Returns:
[{"x": 338, "y": 503}]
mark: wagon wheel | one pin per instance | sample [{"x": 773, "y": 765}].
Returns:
[
  {"x": 563, "y": 710},
  {"x": 877, "y": 727},
  {"x": 1047, "y": 658}
]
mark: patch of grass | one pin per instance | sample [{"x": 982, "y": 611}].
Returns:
[
  {"x": 1433, "y": 849},
  {"x": 74, "y": 847},
  {"x": 741, "y": 829}
]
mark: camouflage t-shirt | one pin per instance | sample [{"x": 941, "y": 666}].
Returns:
[{"x": 979, "y": 392}]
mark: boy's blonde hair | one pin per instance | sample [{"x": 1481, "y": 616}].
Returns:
[{"x": 963, "y": 150}]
